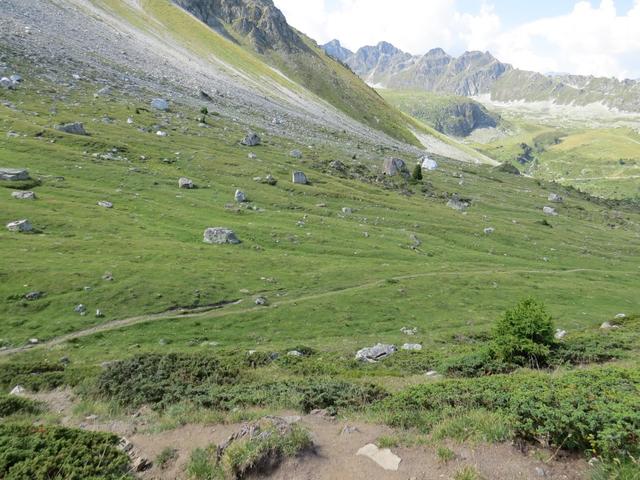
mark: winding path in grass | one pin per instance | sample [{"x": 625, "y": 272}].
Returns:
[{"x": 226, "y": 309}]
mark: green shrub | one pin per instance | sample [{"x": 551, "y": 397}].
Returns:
[
  {"x": 163, "y": 379},
  {"x": 467, "y": 473},
  {"x": 591, "y": 347},
  {"x": 445, "y": 454},
  {"x": 11, "y": 405},
  {"x": 417, "y": 173},
  {"x": 475, "y": 425},
  {"x": 597, "y": 411},
  {"x": 476, "y": 363},
  {"x": 35, "y": 376},
  {"x": 56, "y": 453},
  {"x": 525, "y": 334},
  {"x": 202, "y": 464}
]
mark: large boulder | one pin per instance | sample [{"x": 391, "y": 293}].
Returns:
[
  {"x": 395, "y": 166},
  {"x": 14, "y": 174},
  {"x": 185, "y": 183},
  {"x": 240, "y": 196},
  {"x": 20, "y": 226},
  {"x": 160, "y": 104},
  {"x": 75, "y": 128},
  {"x": 220, "y": 236},
  {"x": 428, "y": 164},
  {"x": 251, "y": 140},
  {"x": 375, "y": 353},
  {"x": 7, "y": 83},
  {"x": 299, "y": 178}
]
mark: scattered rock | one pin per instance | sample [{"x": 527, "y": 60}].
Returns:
[
  {"x": 17, "y": 390},
  {"x": 295, "y": 353},
  {"x": 432, "y": 374},
  {"x": 270, "y": 180},
  {"x": 322, "y": 413},
  {"x": 32, "y": 296},
  {"x": 160, "y": 104},
  {"x": 261, "y": 301},
  {"x": 20, "y": 195},
  {"x": 608, "y": 326},
  {"x": 428, "y": 164},
  {"x": 560, "y": 334},
  {"x": 349, "y": 429},
  {"x": 416, "y": 241},
  {"x": 161, "y": 133},
  {"x": 394, "y": 166},
  {"x": 549, "y": 211},
  {"x": 186, "y": 183},
  {"x": 23, "y": 226},
  {"x": 252, "y": 156},
  {"x": 383, "y": 457},
  {"x": 6, "y": 82},
  {"x": 409, "y": 331},
  {"x": 75, "y": 128},
  {"x": 251, "y": 140},
  {"x": 104, "y": 91},
  {"x": 489, "y": 230},
  {"x": 458, "y": 204},
  {"x": 14, "y": 174},
  {"x": 540, "y": 472},
  {"x": 375, "y": 353},
  {"x": 108, "y": 277},
  {"x": 240, "y": 196},
  {"x": 621, "y": 316},
  {"x": 416, "y": 347},
  {"x": 105, "y": 204},
  {"x": 295, "y": 154},
  {"x": 555, "y": 198},
  {"x": 338, "y": 166},
  {"x": 99, "y": 313},
  {"x": 34, "y": 341},
  {"x": 220, "y": 236},
  {"x": 347, "y": 210},
  {"x": 124, "y": 445},
  {"x": 300, "y": 178},
  {"x": 80, "y": 308}
]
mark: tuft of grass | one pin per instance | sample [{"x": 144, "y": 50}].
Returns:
[
  {"x": 467, "y": 473},
  {"x": 476, "y": 426},
  {"x": 388, "y": 441},
  {"x": 445, "y": 454}
]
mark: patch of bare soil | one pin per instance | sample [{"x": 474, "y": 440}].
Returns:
[{"x": 334, "y": 456}]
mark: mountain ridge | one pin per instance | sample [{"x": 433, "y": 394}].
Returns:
[{"x": 474, "y": 73}]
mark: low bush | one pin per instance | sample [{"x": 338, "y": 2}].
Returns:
[
  {"x": 590, "y": 347},
  {"x": 12, "y": 405},
  {"x": 597, "y": 411},
  {"x": 56, "y": 453},
  {"x": 35, "y": 376}
]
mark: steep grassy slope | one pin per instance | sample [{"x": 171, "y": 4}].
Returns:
[
  {"x": 151, "y": 240},
  {"x": 449, "y": 114},
  {"x": 298, "y": 57}
]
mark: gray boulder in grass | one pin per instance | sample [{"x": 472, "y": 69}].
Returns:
[
  {"x": 375, "y": 353},
  {"x": 220, "y": 236}
]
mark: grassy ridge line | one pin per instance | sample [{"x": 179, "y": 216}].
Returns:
[{"x": 221, "y": 311}]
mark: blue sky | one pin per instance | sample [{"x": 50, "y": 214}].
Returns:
[{"x": 599, "y": 37}]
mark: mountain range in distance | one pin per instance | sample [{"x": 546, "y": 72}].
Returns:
[{"x": 475, "y": 74}]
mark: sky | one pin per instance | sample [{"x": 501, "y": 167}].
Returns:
[{"x": 597, "y": 37}]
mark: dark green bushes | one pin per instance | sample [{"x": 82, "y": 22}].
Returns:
[
  {"x": 163, "y": 379},
  {"x": 56, "y": 453},
  {"x": 11, "y": 405},
  {"x": 593, "y": 410},
  {"x": 34, "y": 376}
]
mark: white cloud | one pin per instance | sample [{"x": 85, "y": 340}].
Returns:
[{"x": 588, "y": 40}]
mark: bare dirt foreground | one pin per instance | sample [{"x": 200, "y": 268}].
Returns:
[{"x": 334, "y": 455}]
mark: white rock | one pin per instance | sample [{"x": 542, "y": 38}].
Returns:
[
  {"x": 186, "y": 183},
  {"x": 549, "y": 211},
  {"x": 432, "y": 373},
  {"x": 428, "y": 164},
  {"x": 17, "y": 390},
  {"x": 20, "y": 195},
  {"x": 384, "y": 457},
  {"x": 409, "y": 331},
  {"x": 105, "y": 204},
  {"x": 14, "y": 174},
  {"x": 489, "y": 231},
  {"x": 34, "y": 341},
  {"x": 160, "y": 104},
  {"x": 560, "y": 334},
  {"x": 160, "y": 133},
  {"x": 621, "y": 315},
  {"x": 375, "y": 353},
  {"x": 20, "y": 226},
  {"x": 608, "y": 326},
  {"x": 416, "y": 347},
  {"x": 347, "y": 211}
]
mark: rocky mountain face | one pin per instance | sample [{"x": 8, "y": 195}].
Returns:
[
  {"x": 385, "y": 65},
  {"x": 478, "y": 73},
  {"x": 335, "y": 50},
  {"x": 258, "y": 20},
  {"x": 463, "y": 118}
]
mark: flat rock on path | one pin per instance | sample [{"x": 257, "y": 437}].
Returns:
[{"x": 384, "y": 457}]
